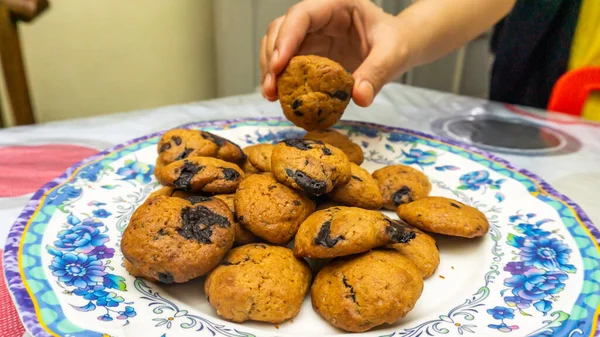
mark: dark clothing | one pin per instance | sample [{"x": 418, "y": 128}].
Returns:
[{"x": 532, "y": 46}]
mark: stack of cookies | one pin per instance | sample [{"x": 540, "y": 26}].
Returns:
[{"x": 308, "y": 194}]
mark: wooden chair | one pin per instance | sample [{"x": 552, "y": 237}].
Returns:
[{"x": 11, "y": 57}]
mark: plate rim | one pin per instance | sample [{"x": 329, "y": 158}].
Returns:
[{"x": 22, "y": 298}]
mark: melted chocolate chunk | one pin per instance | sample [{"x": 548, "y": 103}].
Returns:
[
  {"x": 306, "y": 183},
  {"x": 272, "y": 187},
  {"x": 188, "y": 171},
  {"x": 165, "y": 277},
  {"x": 164, "y": 147},
  {"x": 296, "y": 104},
  {"x": 454, "y": 205},
  {"x": 352, "y": 293},
  {"x": 298, "y": 113},
  {"x": 198, "y": 222},
  {"x": 302, "y": 144},
  {"x": 326, "y": 151},
  {"x": 196, "y": 199},
  {"x": 398, "y": 231},
  {"x": 177, "y": 140},
  {"x": 356, "y": 178},
  {"x": 341, "y": 95},
  {"x": 186, "y": 152},
  {"x": 323, "y": 237},
  {"x": 296, "y": 202},
  {"x": 219, "y": 141},
  {"x": 320, "y": 112},
  {"x": 402, "y": 196},
  {"x": 230, "y": 174}
]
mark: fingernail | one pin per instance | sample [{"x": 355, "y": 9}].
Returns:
[{"x": 368, "y": 91}]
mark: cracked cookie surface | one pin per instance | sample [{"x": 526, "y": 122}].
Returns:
[
  {"x": 340, "y": 231},
  {"x": 360, "y": 191},
  {"x": 314, "y": 91},
  {"x": 359, "y": 292},
  {"x": 258, "y": 158},
  {"x": 310, "y": 165},
  {"x": 400, "y": 184},
  {"x": 174, "y": 240},
  {"x": 201, "y": 174},
  {"x": 339, "y": 140},
  {"x": 445, "y": 216},
  {"x": 269, "y": 209},
  {"x": 422, "y": 251},
  {"x": 258, "y": 282}
]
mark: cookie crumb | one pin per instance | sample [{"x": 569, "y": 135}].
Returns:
[
  {"x": 277, "y": 327},
  {"x": 442, "y": 277},
  {"x": 452, "y": 267}
]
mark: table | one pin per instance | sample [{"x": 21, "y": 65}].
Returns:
[{"x": 32, "y": 155}]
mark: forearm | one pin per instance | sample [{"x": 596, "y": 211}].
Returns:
[{"x": 434, "y": 28}]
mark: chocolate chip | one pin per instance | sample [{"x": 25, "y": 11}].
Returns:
[
  {"x": 241, "y": 218},
  {"x": 298, "y": 113},
  {"x": 260, "y": 245},
  {"x": 164, "y": 147},
  {"x": 398, "y": 231},
  {"x": 402, "y": 196},
  {"x": 160, "y": 233},
  {"x": 165, "y": 277},
  {"x": 306, "y": 183},
  {"x": 454, "y": 205},
  {"x": 196, "y": 199},
  {"x": 296, "y": 104},
  {"x": 320, "y": 112},
  {"x": 219, "y": 141},
  {"x": 326, "y": 151},
  {"x": 341, "y": 95},
  {"x": 323, "y": 237},
  {"x": 230, "y": 174},
  {"x": 186, "y": 152},
  {"x": 302, "y": 144},
  {"x": 229, "y": 263},
  {"x": 356, "y": 178},
  {"x": 188, "y": 171},
  {"x": 272, "y": 187},
  {"x": 352, "y": 293},
  {"x": 177, "y": 140},
  {"x": 197, "y": 223},
  {"x": 296, "y": 202}
]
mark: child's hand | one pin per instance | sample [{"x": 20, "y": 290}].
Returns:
[{"x": 355, "y": 33}]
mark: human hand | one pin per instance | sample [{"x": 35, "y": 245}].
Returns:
[{"x": 356, "y": 33}]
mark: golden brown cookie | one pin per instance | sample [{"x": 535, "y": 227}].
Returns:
[
  {"x": 422, "y": 251},
  {"x": 170, "y": 192},
  {"x": 359, "y": 292},
  {"x": 400, "y": 184},
  {"x": 258, "y": 282},
  {"x": 259, "y": 156},
  {"x": 340, "y": 231},
  {"x": 310, "y": 165},
  {"x": 341, "y": 141},
  {"x": 444, "y": 216},
  {"x": 325, "y": 203},
  {"x": 179, "y": 144},
  {"x": 361, "y": 191},
  {"x": 133, "y": 271},
  {"x": 176, "y": 240},
  {"x": 242, "y": 235},
  {"x": 314, "y": 91},
  {"x": 269, "y": 209},
  {"x": 201, "y": 174}
]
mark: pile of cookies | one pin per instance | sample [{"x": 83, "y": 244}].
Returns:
[{"x": 310, "y": 194}]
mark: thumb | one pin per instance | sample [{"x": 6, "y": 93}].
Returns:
[{"x": 381, "y": 66}]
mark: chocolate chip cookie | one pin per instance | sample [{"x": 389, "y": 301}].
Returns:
[
  {"x": 170, "y": 192},
  {"x": 361, "y": 191},
  {"x": 174, "y": 240},
  {"x": 259, "y": 156},
  {"x": 201, "y": 174},
  {"x": 339, "y": 231},
  {"x": 359, "y": 292},
  {"x": 422, "y": 251},
  {"x": 242, "y": 235},
  {"x": 314, "y": 91},
  {"x": 400, "y": 184},
  {"x": 258, "y": 282},
  {"x": 179, "y": 144},
  {"x": 269, "y": 209},
  {"x": 444, "y": 216},
  {"x": 310, "y": 165},
  {"x": 339, "y": 140}
]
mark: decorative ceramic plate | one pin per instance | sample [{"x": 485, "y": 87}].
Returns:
[{"x": 535, "y": 273}]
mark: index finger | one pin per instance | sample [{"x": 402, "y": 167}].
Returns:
[{"x": 303, "y": 18}]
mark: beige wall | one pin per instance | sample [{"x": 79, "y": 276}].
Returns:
[{"x": 100, "y": 56}]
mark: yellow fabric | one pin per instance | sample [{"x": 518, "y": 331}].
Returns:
[{"x": 585, "y": 50}]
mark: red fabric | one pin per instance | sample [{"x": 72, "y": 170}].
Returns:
[
  {"x": 571, "y": 90},
  {"x": 24, "y": 169},
  {"x": 10, "y": 324}
]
